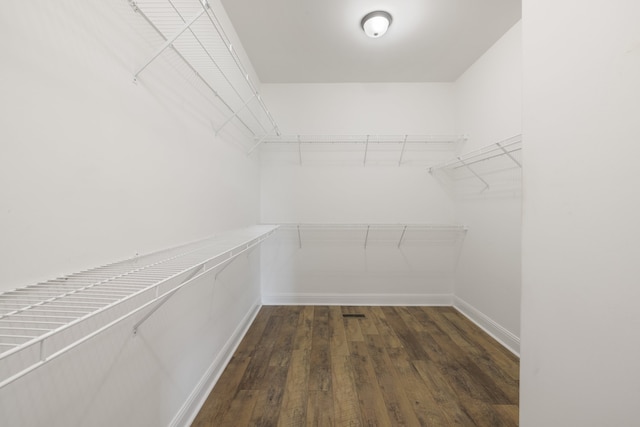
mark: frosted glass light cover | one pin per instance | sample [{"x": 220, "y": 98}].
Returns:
[{"x": 375, "y": 24}]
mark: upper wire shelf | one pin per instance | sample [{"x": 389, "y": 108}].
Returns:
[
  {"x": 398, "y": 143},
  {"x": 191, "y": 29},
  {"x": 43, "y": 321},
  {"x": 507, "y": 149}
]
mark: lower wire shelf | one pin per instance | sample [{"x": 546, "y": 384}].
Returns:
[
  {"x": 43, "y": 321},
  {"x": 375, "y": 234}
]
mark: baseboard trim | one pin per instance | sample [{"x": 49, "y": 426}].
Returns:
[
  {"x": 509, "y": 340},
  {"x": 357, "y": 299},
  {"x": 196, "y": 399}
]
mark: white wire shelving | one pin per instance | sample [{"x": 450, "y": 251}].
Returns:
[
  {"x": 40, "y": 322},
  {"x": 191, "y": 29},
  {"x": 400, "y": 144},
  {"x": 508, "y": 149},
  {"x": 367, "y": 235}
]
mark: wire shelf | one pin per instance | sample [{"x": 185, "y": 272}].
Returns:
[
  {"x": 42, "y": 321},
  {"x": 395, "y": 144},
  {"x": 504, "y": 154},
  {"x": 375, "y": 234},
  {"x": 362, "y": 139},
  {"x": 192, "y": 30}
]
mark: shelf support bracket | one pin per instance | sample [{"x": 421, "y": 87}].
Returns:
[
  {"x": 166, "y": 298},
  {"x": 486, "y": 184},
  {"x": 404, "y": 230},
  {"x": 170, "y": 40},
  {"x": 224, "y": 267},
  {"x": 260, "y": 141},
  {"x": 299, "y": 238},
  {"x": 404, "y": 143},
  {"x": 508, "y": 154},
  {"x": 134, "y": 6},
  {"x": 299, "y": 150},
  {"x": 366, "y": 237},
  {"x": 366, "y": 148},
  {"x": 235, "y": 114}
]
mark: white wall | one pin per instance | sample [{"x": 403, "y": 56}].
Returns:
[
  {"x": 332, "y": 185},
  {"x": 489, "y": 110},
  {"x": 94, "y": 169},
  {"x": 362, "y": 108},
  {"x": 580, "y": 293},
  {"x": 324, "y": 189}
]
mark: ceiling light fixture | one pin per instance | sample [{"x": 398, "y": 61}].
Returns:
[{"x": 375, "y": 24}]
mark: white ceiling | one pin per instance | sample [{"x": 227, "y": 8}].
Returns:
[{"x": 320, "y": 41}]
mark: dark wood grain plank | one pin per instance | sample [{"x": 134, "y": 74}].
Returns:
[
  {"x": 385, "y": 331},
  {"x": 293, "y": 411},
  {"x": 409, "y": 340},
  {"x": 241, "y": 409},
  {"x": 337, "y": 334},
  {"x": 372, "y": 404},
  {"x": 345, "y": 392},
  {"x": 345, "y": 395},
  {"x": 397, "y": 403},
  {"x": 352, "y": 327},
  {"x": 221, "y": 397},
  {"x": 254, "y": 376},
  {"x": 443, "y": 393},
  {"x": 420, "y": 395},
  {"x": 320, "y": 361},
  {"x": 302, "y": 339},
  {"x": 320, "y": 409}
]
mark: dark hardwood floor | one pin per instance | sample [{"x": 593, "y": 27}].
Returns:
[{"x": 396, "y": 366}]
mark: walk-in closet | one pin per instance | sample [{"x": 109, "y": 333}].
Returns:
[{"x": 280, "y": 212}]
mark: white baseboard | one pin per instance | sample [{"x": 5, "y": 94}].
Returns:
[
  {"x": 196, "y": 399},
  {"x": 510, "y": 341},
  {"x": 357, "y": 299}
]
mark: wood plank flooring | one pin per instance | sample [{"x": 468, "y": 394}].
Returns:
[{"x": 396, "y": 366}]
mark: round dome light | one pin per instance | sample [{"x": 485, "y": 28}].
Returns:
[{"x": 375, "y": 24}]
